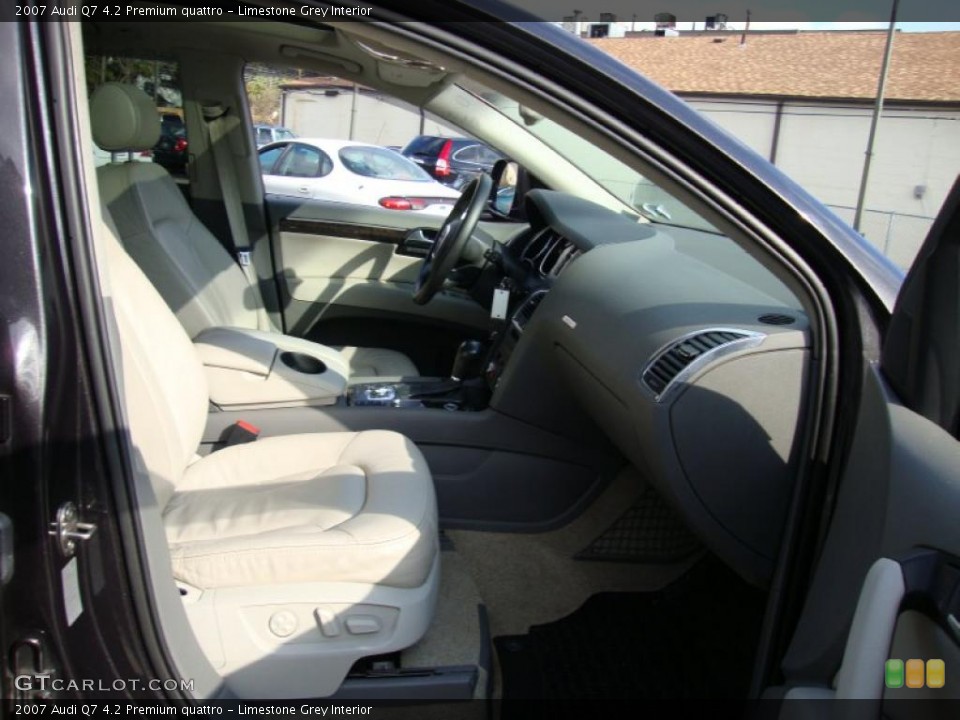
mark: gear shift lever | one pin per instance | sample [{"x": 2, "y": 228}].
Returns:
[{"x": 469, "y": 361}]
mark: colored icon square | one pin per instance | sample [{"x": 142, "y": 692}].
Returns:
[
  {"x": 893, "y": 673},
  {"x": 936, "y": 673},
  {"x": 915, "y": 673}
]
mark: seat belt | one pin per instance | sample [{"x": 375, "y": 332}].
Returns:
[{"x": 215, "y": 116}]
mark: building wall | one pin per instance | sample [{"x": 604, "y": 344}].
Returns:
[
  {"x": 378, "y": 119},
  {"x": 822, "y": 147}
]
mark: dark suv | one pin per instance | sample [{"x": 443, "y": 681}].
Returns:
[
  {"x": 452, "y": 161},
  {"x": 171, "y": 149}
]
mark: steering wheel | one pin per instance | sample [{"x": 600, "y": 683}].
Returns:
[{"x": 452, "y": 238}]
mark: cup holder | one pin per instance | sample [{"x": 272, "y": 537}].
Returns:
[{"x": 306, "y": 364}]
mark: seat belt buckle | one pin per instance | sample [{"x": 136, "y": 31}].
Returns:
[
  {"x": 240, "y": 433},
  {"x": 243, "y": 257}
]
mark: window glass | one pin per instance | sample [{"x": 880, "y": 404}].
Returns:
[
  {"x": 486, "y": 155},
  {"x": 263, "y": 136},
  {"x": 468, "y": 154},
  {"x": 380, "y": 163},
  {"x": 304, "y": 161},
  {"x": 269, "y": 157},
  {"x": 284, "y": 134}
]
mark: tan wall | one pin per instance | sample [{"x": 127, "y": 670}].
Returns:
[
  {"x": 311, "y": 113},
  {"x": 822, "y": 147}
]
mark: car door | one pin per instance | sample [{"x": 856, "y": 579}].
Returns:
[
  {"x": 882, "y": 618},
  {"x": 347, "y": 275},
  {"x": 301, "y": 171},
  {"x": 346, "y": 271}
]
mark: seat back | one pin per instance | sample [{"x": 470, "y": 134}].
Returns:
[
  {"x": 163, "y": 382},
  {"x": 192, "y": 271}
]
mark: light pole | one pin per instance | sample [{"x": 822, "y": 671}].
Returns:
[{"x": 877, "y": 110}]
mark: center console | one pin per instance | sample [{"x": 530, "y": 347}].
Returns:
[
  {"x": 249, "y": 369},
  {"x": 505, "y": 341},
  {"x": 419, "y": 393}
]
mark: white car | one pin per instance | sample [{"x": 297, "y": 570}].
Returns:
[{"x": 352, "y": 172}]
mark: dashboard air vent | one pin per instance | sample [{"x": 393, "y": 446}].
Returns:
[
  {"x": 777, "y": 319},
  {"x": 682, "y": 357},
  {"x": 549, "y": 253},
  {"x": 526, "y": 310}
]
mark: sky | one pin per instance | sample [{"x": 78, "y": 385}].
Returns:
[{"x": 902, "y": 26}]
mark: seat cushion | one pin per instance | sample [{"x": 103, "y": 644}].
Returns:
[
  {"x": 377, "y": 362},
  {"x": 333, "y": 507}
]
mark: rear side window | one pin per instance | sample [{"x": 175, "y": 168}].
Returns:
[
  {"x": 380, "y": 163},
  {"x": 471, "y": 153},
  {"x": 304, "y": 161},
  {"x": 424, "y": 145},
  {"x": 487, "y": 156},
  {"x": 264, "y": 136},
  {"x": 269, "y": 157}
]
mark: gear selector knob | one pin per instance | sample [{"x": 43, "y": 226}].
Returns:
[{"x": 469, "y": 361}]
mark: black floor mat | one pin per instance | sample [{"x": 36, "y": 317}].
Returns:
[{"x": 692, "y": 639}]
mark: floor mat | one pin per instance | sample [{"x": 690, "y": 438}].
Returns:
[
  {"x": 649, "y": 531},
  {"x": 693, "y": 639}
]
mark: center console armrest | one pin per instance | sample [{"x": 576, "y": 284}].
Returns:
[{"x": 251, "y": 368}]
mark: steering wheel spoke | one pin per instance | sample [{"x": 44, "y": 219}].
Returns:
[{"x": 452, "y": 239}]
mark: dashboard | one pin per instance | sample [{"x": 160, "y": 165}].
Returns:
[{"x": 685, "y": 352}]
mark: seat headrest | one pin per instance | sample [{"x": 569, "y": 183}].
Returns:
[{"x": 123, "y": 118}]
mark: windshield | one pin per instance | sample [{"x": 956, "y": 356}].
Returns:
[
  {"x": 629, "y": 186},
  {"x": 381, "y": 163}
]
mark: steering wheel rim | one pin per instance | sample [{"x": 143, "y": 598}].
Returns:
[{"x": 452, "y": 238}]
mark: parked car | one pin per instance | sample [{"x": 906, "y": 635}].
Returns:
[
  {"x": 452, "y": 161},
  {"x": 710, "y": 454},
  {"x": 266, "y": 134},
  {"x": 352, "y": 172},
  {"x": 171, "y": 149}
]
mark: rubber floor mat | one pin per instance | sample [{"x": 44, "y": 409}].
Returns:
[
  {"x": 693, "y": 639},
  {"x": 650, "y": 531}
]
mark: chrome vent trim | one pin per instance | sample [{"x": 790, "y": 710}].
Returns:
[
  {"x": 675, "y": 363},
  {"x": 549, "y": 253},
  {"x": 523, "y": 314}
]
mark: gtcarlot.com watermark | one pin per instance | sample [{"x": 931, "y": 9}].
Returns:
[{"x": 43, "y": 684}]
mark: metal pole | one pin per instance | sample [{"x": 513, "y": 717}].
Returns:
[
  {"x": 353, "y": 112},
  {"x": 875, "y": 122}
]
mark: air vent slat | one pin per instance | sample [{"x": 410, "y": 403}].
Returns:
[{"x": 671, "y": 361}]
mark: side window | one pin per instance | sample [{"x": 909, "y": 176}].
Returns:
[
  {"x": 312, "y": 103},
  {"x": 486, "y": 155},
  {"x": 269, "y": 157},
  {"x": 304, "y": 161},
  {"x": 160, "y": 80},
  {"x": 468, "y": 154},
  {"x": 264, "y": 136}
]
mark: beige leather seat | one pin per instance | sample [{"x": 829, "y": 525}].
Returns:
[
  {"x": 195, "y": 275},
  {"x": 295, "y": 555}
]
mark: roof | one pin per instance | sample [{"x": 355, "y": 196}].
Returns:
[{"x": 925, "y": 67}]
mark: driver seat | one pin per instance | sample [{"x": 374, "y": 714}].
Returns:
[{"x": 190, "y": 269}]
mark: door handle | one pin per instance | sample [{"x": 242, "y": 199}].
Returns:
[
  {"x": 417, "y": 243},
  {"x": 304, "y": 189}
]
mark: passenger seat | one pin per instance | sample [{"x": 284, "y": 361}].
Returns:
[
  {"x": 295, "y": 555},
  {"x": 197, "y": 278}
]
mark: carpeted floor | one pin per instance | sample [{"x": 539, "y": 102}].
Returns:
[
  {"x": 454, "y": 636},
  {"x": 693, "y": 639},
  {"x": 529, "y": 579}
]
